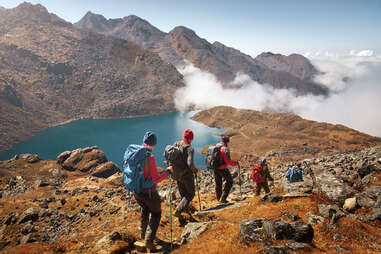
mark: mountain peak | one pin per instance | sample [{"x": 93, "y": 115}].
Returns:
[
  {"x": 30, "y": 6},
  {"x": 182, "y": 30}
]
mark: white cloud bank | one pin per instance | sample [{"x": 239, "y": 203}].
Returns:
[{"x": 354, "y": 80}]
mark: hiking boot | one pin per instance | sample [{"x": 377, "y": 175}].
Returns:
[
  {"x": 149, "y": 244},
  {"x": 223, "y": 201}
]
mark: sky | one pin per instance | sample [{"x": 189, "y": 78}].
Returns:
[{"x": 251, "y": 26}]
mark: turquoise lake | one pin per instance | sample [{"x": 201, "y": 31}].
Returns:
[{"x": 113, "y": 136}]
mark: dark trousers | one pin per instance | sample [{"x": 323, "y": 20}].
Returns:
[
  {"x": 149, "y": 204},
  {"x": 219, "y": 175},
  {"x": 187, "y": 191},
  {"x": 263, "y": 185}
]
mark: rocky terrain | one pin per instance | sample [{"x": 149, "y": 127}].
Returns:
[
  {"x": 182, "y": 43},
  {"x": 78, "y": 203},
  {"x": 52, "y": 72}
]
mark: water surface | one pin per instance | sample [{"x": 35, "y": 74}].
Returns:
[{"x": 113, "y": 136}]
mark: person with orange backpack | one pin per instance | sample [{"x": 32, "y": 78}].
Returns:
[{"x": 260, "y": 175}]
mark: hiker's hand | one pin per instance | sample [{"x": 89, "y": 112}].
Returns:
[{"x": 169, "y": 170}]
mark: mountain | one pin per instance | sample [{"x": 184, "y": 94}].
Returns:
[
  {"x": 52, "y": 72},
  {"x": 295, "y": 64},
  {"x": 182, "y": 43}
]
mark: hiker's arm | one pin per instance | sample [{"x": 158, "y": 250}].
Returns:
[
  {"x": 152, "y": 168},
  {"x": 226, "y": 158}
]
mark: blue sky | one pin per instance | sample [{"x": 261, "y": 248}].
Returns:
[{"x": 252, "y": 26}]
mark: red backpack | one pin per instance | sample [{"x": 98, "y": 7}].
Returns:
[{"x": 256, "y": 174}]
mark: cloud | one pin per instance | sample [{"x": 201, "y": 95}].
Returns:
[{"x": 354, "y": 80}]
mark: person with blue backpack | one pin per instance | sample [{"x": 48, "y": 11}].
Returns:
[
  {"x": 140, "y": 176},
  {"x": 295, "y": 174}
]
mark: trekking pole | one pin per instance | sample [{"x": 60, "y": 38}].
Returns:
[
  {"x": 198, "y": 191},
  {"x": 239, "y": 180},
  {"x": 170, "y": 206}
]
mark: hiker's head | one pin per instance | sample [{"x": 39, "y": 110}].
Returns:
[
  {"x": 225, "y": 139},
  {"x": 188, "y": 136},
  {"x": 150, "y": 138},
  {"x": 262, "y": 161},
  {"x": 298, "y": 164}
]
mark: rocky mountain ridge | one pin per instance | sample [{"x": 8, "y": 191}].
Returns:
[
  {"x": 181, "y": 43},
  {"x": 52, "y": 72}
]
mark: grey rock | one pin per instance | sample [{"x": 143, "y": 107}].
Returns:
[
  {"x": 293, "y": 245},
  {"x": 63, "y": 156},
  {"x": 251, "y": 230},
  {"x": 274, "y": 250},
  {"x": 291, "y": 216},
  {"x": 314, "y": 219},
  {"x": 271, "y": 197},
  {"x": 303, "y": 232},
  {"x": 338, "y": 237},
  {"x": 29, "y": 214},
  {"x": 193, "y": 230},
  {"x": 29, "y": 238},
  {"x": 278, "y": 229}
]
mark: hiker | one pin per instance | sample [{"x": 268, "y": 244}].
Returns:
[
  {"x": 295, "y": 173},
  {"x": 222, "y": 172},
  {"x": 148, "y": 198},
  {"x": 261, "y": 175},
  {"x": 185, "y": 183}
]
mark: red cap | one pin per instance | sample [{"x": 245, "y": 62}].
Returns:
[{"x": 188, "y": 136}]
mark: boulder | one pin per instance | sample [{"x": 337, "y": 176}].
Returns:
[
  {"x": 303, "y": 232},
  {"x": 192, "y": 230},
  {"x": 105, "y": 170},
  {"x": 30, "y": 214},
  {"x": 251, "y": 230},
  {"x": 278, "y": 229},
  {"x": 63, "y": 156}
]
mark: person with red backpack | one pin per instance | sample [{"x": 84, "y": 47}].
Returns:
[
  {"x": 260, "y": 175},
  {"x": 144, "y": 190},
  {"x": 222, "y": 172}
]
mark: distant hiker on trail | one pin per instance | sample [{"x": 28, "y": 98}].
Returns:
[
  {"x": 261, "y": 175},
  {"x": 183, "y": 171},
  {"x": 139, "y": 160},
  {"x": 295, "y": 173},
  {"x": 222, "y": 172}
]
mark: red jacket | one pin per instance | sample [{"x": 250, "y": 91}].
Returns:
[
  {"x": 150, "y": 168},
  {"x": 225, "y": 159}
]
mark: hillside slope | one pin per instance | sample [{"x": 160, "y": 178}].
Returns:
[{"x": 282, "y": 137}]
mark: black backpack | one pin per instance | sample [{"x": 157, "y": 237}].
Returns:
[
  {"x": 213, "y": 157},
  {"x": 174, "y": 156}
]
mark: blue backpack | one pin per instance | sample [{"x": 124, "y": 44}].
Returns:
[
  {"x": 133, "y": 169},
  {"x": 294, "y": 174}
]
